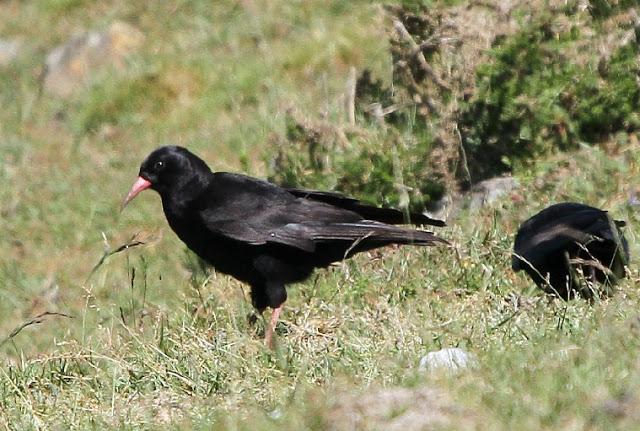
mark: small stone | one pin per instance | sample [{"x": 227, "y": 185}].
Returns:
[
  {"x": 70, "y": 66},
  {"x": 275, "y": 414},
  {"x": 453, "y": 359}
]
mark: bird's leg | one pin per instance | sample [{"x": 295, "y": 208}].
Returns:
[
  {"x": 268, "y": 337},
  {"x": 276, "y": 295}
]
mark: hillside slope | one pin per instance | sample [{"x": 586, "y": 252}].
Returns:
[{"x": 147, "y": 338}]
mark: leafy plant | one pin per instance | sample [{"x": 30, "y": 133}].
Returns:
[{"x": 533, "y": 99}]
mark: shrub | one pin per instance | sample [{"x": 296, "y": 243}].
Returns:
[
  {"x": 609, "y": 103},
  {"x": 532, "y": 99}
]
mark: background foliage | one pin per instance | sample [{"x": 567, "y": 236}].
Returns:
[{"x": 546, "y": 91}]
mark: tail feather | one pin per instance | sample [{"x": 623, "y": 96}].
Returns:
[{"x": 365, "y": 232}]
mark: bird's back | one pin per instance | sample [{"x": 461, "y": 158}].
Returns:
[
  {"x": 557, "y": 227},
  {"x": 553, "y": 243}
]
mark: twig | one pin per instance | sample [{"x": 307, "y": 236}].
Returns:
[
  {"x": 133, "y": 242},
  {"x": 350, "y": 100},
  {"x": 356, "y": 243},
  {"x": 415, "y": 88},
  {"x": 463, "y": 155},
  {"x": 399, "y": 26},
  {"x": 508, "y": 318}
]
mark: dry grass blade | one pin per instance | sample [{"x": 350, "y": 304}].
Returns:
[
  {"x": 134, "y": 241},
  {"x": 34, "y": 321}
]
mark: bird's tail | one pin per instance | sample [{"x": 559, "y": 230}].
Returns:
[{"x": 366, "y": 232}]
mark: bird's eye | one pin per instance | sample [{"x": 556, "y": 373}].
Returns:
[{"x": 158, "y": 165}]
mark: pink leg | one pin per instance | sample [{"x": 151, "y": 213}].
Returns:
[{"x": 268, "y": 336}]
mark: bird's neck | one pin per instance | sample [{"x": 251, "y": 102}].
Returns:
[{"x": 182, "y": 196}]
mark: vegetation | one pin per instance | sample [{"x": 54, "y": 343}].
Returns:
[
  {"x": 534, "y": 98},
  {"x": 150, "y": 338}
]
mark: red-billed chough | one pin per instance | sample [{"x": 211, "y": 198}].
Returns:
[
  {"x": 552, "y": 244},
  {"x": 263, "y": 234}
]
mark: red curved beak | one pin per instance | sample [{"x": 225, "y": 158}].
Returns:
[{"x": 140, "y": 185}]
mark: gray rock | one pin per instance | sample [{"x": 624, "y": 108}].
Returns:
[
  {"x": 452, "y": 359},
  {"x": 9, "y": 51},
  {"x": 70, "y": 66},
  {"x": 487, "y": 191}
]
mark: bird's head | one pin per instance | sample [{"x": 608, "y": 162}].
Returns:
[{"x": 168, "y": 169}]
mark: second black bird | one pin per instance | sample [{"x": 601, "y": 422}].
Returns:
[
  {"x": 263, "y": 234},
  {"x": 568, "y": 243}
]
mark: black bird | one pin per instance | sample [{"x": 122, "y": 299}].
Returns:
[
  {"x": 553, "y": 244},
  {"x": 262, "y": 234}
]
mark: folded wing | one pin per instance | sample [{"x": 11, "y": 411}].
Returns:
[
  {"x": 559, "y": 227},
  {"x": 368, "y": 212},
  {"x": 307, "y": 234}
]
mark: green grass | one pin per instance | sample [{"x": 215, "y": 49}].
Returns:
[{"x": 155, "y": 341}]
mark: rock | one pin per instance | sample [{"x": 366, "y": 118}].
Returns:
[
  {"x": 70, "y": 66},
  {"x": 275, "y": 414},
  {"x": 487, "y": 191},
  {"x": 9, "y": 51},
  {"x": 453, "y": 359},
  {"x": 396, "y": 409}
]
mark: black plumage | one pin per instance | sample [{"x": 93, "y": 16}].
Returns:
[
  {"x": 567, "y": 239},
  {"x": 262, "y": 234}
]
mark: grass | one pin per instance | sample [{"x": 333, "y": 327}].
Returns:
[{"x": 156, "y": 341}]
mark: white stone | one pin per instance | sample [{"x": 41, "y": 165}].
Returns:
[{"x": 453, "y": 359}]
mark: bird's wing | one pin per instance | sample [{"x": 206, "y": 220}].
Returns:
[
  {"x": 369, "y": 212},
  {"x": 250, "y": 232},
  {"x": 257, "y": 212},
  {"x": 295, "y": 227}
]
